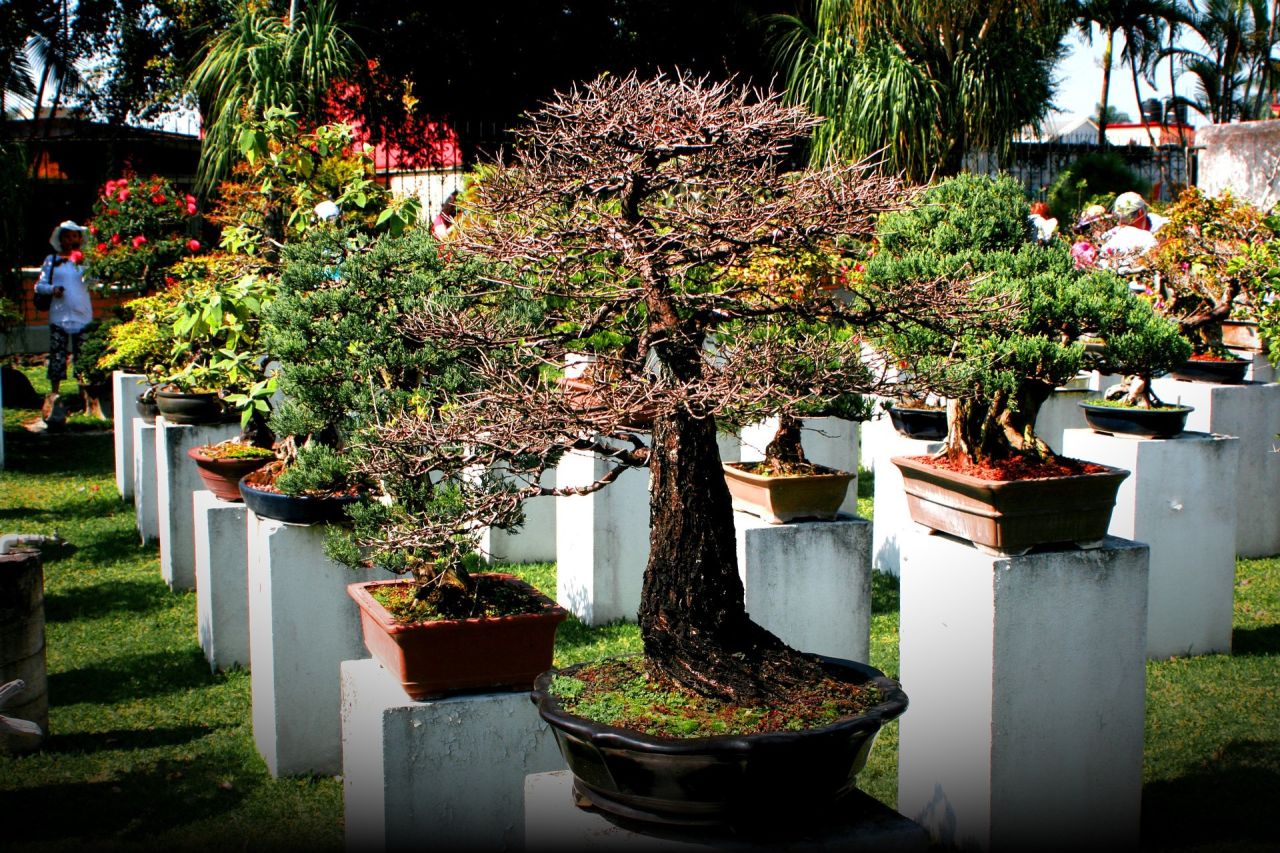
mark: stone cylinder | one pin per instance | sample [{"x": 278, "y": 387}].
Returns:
[{"x": 22, "y": 642}]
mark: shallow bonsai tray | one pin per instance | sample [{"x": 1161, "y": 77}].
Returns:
[{"x": 1164, "y": 422}]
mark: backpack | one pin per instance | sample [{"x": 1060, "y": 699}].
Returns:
[{"x": 44, "y": 301}]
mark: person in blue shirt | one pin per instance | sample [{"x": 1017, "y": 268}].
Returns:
[{"x": 71, "y": 310}]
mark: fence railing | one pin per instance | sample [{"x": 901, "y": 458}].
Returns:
[{"x": 1036, "y": 164}]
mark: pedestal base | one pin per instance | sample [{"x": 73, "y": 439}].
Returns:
[
  {"x": 445, "y": 774},
  {"x": 554, "y": 823},
  {"x": 146, "y": 512},
  {"x": 125, "y": 388},
  {"x": 1180, "y": 499},
  {"x": 1027, "y": 684},
  {"x": 892, "y": 518},
  {"x": 222, "y": 580},
  {"x": 809, "y": 582},
  {"x": 535, "y": 541},
  {"x": 302, "y": 626},
  {"x": 177, "y": 479}
]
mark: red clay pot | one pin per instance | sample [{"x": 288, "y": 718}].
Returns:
[
  {"x": 787, "y": 498},
  {"x": 222, "y": 476}
]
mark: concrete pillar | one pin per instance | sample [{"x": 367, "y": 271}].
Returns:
[
  {"x": 442, "y": 774},
  {"x": 177, "y": 478},
  {"x": 892, "y": 519},
  {"x": 535, "y": 541},
  {"x": 554, "y": 824},
  {"x": 1180, "y": 500},
  {"x": 602, "y": 540},
  {"x": 144, "y": 481},
  {"x": 1027, "y": 684},
  {"x": 125, "y": 388},
  {"x": 1062, "y": 412},
  {"x": 809, "y": 582},
  {"x": 1251, "y": 412},
  {"x": 22, "y": 648},
  {"x": 222, "y": 580},
  {"x": 302, "y": 626}
]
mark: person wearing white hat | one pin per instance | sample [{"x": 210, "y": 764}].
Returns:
[
  {"x": 1131, "y": 210},
  {"x": 70, "y": 308}
]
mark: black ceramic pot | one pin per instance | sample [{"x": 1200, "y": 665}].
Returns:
[
  {"x": 921, "y": 424},
  {"x": 196, "y": 408},
  {"x": 724, "y": 780},
  {"x": 1144, "y": 423},
  {"x": 1206, "y": 370},
  {"x": 294, "y": 509},
  {"x": 147, "y": 408}
]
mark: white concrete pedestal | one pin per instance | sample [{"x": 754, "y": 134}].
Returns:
[
  {"x": 1260, "y": 369},
  {"x": 1251, "y": 412},
  {"x": 443, "y": 774},
  {"x": 553, "y": 823},
  {"x": 1062, "y": 412},
  {"x": 1180, "y": 500},
  {"x": 302, "y": 626},
  {"x": 125, "y": 388},
  {"x": 809, "y": 582},
  {"x": 602, "y": 540},
  {"x": 144, "y": 481},
  {"x": 222, "y": 580},
  {"x": 1026, "y": 677},
  {"x": 535, "y": 541},
  {"x": 177, "y": 479},
  {"x": 891, "y": 517},
  {"x": 832, "y": 442}
]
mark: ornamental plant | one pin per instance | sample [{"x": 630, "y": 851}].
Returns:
[
  {"x": 139, "y": 228},
  {"x": 972, "y": 233}
]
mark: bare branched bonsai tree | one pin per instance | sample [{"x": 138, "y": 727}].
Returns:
[{"x": 623, "y": 211}]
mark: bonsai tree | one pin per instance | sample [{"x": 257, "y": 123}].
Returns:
[
  {"x": 973, "y": 233},
  {"x": 622, "y": 212},
  {"x": 139, "y": 228}
]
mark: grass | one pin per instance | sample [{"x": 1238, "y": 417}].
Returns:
[{"x": 149, "y": 750}]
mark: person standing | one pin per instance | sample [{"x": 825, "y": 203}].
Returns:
[{"x": 71, "y": 309}]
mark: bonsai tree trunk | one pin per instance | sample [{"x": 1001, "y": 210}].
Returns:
[
  {"x": 785, "y": 452},
  {"x": 1136, "y": 391},
  {"x": 997, "y": 430}
]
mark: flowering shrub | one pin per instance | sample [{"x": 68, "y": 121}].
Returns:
[{"x": 138, "y": 229}]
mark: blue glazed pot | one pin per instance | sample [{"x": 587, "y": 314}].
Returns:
[{"x": 294, "y": 509}]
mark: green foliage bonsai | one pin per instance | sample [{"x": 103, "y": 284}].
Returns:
[{"x": 972, "y": 233}]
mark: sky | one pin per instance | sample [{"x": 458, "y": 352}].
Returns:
[{"x": 1080, "y": 82}]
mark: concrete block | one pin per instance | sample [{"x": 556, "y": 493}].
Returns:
[
  {"x": 1250, "y": 412},
  {"x": 144, "y": 481},
  {"x": 125, "y": 388},
  {"x": 602, "y": 540},
  {"x": 1062, "y": 412},
  {"x": 892, "y": 519},
  {"x": 535, "y": 541},
  {"x": 809, "y": 582},
  {"x": 874, "y": 433},
  {"x": 832, "y": 442},
  {"x": 1260, "y": 369},
  {"x": 1180, "y": 500},
  {"x": 443, "y": 774},
  {"x": 302, "y": 626},
  {"x": 1027, "y": 684},
  {"x": 554, "y": 823},
  {"x": 222, "y": 580},
  {"x": 177, "y": 478}
]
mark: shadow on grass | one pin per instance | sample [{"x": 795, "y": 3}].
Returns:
[
  {"x": 58, "y": 453},
  {"x": 1232, "y": 800},
  {"x": 125, "y": 739},
  {"x": 97, "y": 600},
  {"x": 885, "y": 597},
  {"x": 131, "y": 677},
  {"x": 121, "y": 545},
  {"x": 1264, "y": 640}
]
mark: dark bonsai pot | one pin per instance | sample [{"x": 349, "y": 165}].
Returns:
[
  {"x": 1227, "y": 371},
  {"x": 222, "y": 476},
  {"x": 724, "y": 780},
  {"x": 202, "y": 407},
  {"x": 448, "y": 656},
  {"x": 779, "y": 499},
  {"x": 1165, "y": 422},
  {"x": 293, "y": 509},
  {"x": 920, "y": 424},
  {"x": 147, "y": 407}
]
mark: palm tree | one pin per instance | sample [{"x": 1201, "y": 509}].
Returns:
[
  {"x": 260, "y": 60},
  {"x": 1237, "y": 70},
  {"x": 37, "y": 50},
  {"x": 920, "y": 81}
]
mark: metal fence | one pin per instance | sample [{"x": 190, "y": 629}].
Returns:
[{"x": 1036, "y": 164}]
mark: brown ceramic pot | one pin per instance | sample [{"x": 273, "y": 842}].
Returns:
[
  {"x": 781, "y": 499},
  {"x": 222, "y": 476}
]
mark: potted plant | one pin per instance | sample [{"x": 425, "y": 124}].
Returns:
[
  {"x": 139, "y": 228},
  {"x": 622, "y": 209},
  {"x": 918, "y": 416},
  {"x": 993, "y": 478}
]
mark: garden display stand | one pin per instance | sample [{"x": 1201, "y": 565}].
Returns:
[
  {"x": 891, "y": 517},
  {"x": 1060, "y": 413},
  {"x": 1027, "y": 684},
  {"x": 444, "y": 774},
  {"x": 809, "y": 582},
  {"x": 1251, "y": 412},
  {"x": 1180, "y": 500},
  {"x": 302, "y": 626},
  {"x": 534, "y": 541},
  {"x": 832, "y": 442},
  {"x": 554, "y": 823},
  {"x": 145, "y": 486},
  {"x": 125, "y": 388},
  {"x": 602, "y": 540},
  {"x": 177, "y": 479},
  {"x": 222, "y": 585}
]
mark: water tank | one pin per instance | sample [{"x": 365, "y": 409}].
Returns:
[
  {"x": 1152, "y": 110},
  {"x": 1174, "y": 113}
]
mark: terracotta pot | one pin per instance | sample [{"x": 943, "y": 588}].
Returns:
[
  {"x": 1128, "y": 420},
  {"x": 293, "y": 509},
  {"x": 920, "y": 424},
  {"x": 222, "y": 476},
  {"x": 714, "y": 781},
  {"x": 1011, "y": 516},
  {"x": 449, "y": 656},
  {"x": 1212, "y": 370},
  {"x": 193, "y": 408},
  {"x": 583, "y": 396},
  {"x": 1241, "y": 335},
  {"x": 781, "y": 499}
]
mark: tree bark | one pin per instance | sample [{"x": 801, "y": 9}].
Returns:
[{"x": 998, "y": 430}]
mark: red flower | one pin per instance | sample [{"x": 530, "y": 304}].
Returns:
[
  {"x": 193, "y": 245},
  {"x": 76, "y": 256},
  {"x": 124, "y": 195},
  {"x": 138, "y": 241},
  {"x": 102, "y": 247},
  {"x": 170, "y": 280},
  {"x": 93, "y": 229},
  {"x": 190, "y": 199},
  {"x": 113, "y": 211},
  {"x": 115, "y": 239},
  {"x": 158, "y": 198},
  {"x": 191, "y": 209}
]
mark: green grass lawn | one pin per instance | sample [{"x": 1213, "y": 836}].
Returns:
[{"x": 150, "y": 750}]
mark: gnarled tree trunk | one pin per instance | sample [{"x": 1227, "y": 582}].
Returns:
[{"x": 997, "y": 430}]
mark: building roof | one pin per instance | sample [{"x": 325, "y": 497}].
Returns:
[{"x": 1059, "y": 126}]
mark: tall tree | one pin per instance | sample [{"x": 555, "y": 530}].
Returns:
[
  {"x": 38, "y": 53},
  {"x": 1238, "y": 68},
  {"x": 921, "y": 81}
]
